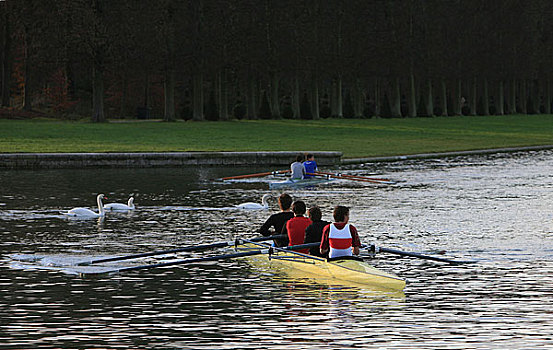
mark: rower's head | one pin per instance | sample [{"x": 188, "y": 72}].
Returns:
[
  {"x": 309, "y": 156},
  {"x": 341, "y": 214},
  {"x": 299, "y": 208},
  {"x": 284, "y": 201},
  {"x": 315, "y": 213},
  {"x": 299, "y": 158}
]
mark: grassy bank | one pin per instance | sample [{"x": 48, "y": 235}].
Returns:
[{"x": 353, "y": 137}]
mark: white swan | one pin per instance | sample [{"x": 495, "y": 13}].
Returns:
[
  {"x": 249, "y": 205},
  {"x": 120, "y": 206},
  {"x": 87, "y": 213}
]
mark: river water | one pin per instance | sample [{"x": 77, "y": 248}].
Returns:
[{"x": 496, "y": 210}]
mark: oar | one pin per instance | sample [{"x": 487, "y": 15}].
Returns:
[
  {"x": 356, "y": 177},
  {"x": 178, "y": 262},
  {"x": 267, "y": 250},
  {"x": 276, "y": 172},
  {"x": 374, "y": 249},
  {"x": 348, "y": 178},
  {"x": 178, "y": 250}
]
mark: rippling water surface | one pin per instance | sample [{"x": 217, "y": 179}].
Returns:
[{"x": 496, "y": 210}]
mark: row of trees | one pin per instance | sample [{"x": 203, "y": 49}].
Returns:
[{"x": 217, "y": 60}]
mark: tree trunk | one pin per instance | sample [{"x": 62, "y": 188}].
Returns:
[
  {"x": 275, "y": 100},
  {"x": 376, "y": 96},
  {"x": 457, "y": 98},
  {"x": 428, "y": 99},
  {"x": 333, "y": 99},
  {"x": 98, "y": 94},
  {"x": 315, "y": 111},
  {"x": 523, "y": 97},
  {"x": 500, "y": 100},
  {"x": 258, "y": 96},
  {"x": 507, "y": 94},
  {"x": 443, "y": 97},
  {"x": 547, "y": 97},
  {"x": 222, "y": 95},
  {"x": 146, "y": 90},
  {"x": 5, "y": 58},
  {"x": 485, "y": 97},
  {"x": 536, "y": 96},
  {"x": 473, "y": 97},
  {"x": 359, "y": 100},
  {"x": 296, "y": 98},
  {"x": 27, "y": 72},
  {"x": 169, "y": 88},
  {"x": 395, "y": 98},
  {"x": 124, "y": 94},
  {"x": 336, "y": 100},
  {"x": 412, "y": 96},
  {"x": 198, "y": 97},
  {"x": 513, "y": 96},
  {"x": 340, "y": 98},
  {"x": 251, "y": 103}
]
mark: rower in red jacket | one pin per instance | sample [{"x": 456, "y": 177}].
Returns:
[{"x": 295, "y": 227}]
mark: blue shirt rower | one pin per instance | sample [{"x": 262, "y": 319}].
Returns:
[{"x": 310, "y": 165}]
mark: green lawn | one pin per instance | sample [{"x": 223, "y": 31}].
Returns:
[{"x": 353, "y": 137}]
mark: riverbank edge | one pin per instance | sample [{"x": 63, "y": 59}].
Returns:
[
  {"x": 157, "y": 159},
  {"x": 445, "y": 154},
  {"x": 16, "y": 161}
]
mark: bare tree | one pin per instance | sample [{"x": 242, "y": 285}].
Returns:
[{"x": 6, "y": 55}]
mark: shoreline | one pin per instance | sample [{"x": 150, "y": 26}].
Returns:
[
  {"x": 445, "y": 154},
  {"x": 18, "y": 161},
  {"x": 14, "y": 161}
]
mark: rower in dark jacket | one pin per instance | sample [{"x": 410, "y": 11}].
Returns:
[
  {"x": 278, "y": 221},
  {"x": 314, "y": 232}
]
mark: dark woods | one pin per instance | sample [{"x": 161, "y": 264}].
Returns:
[{"x": 218, "y": 60}]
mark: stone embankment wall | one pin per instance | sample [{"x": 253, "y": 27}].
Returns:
[
  {"x": 173, "y": 159},
  {"x": 161, "y": 159}
]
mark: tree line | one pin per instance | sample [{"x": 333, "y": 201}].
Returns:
[{"x": 310, "y": 59}]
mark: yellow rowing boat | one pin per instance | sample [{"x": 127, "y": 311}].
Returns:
[{"x": 347, "y": 271}]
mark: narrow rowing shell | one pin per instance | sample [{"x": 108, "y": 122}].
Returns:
[
  {"x": 348, "y": 272},
  {"x": 296, "y": 183}
]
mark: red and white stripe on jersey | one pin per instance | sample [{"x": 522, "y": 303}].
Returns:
[{"x": 340, "y": 241}]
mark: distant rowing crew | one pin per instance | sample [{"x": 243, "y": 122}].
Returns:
[
  {"x": 307, "y": 169},
  {"x": 303, "y": 168},
  {"x": 304, "y": 172}
]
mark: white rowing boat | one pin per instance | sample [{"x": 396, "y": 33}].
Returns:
[
  {"x": 348, "y": 271},
  {"x": 298, "y": 183}
]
